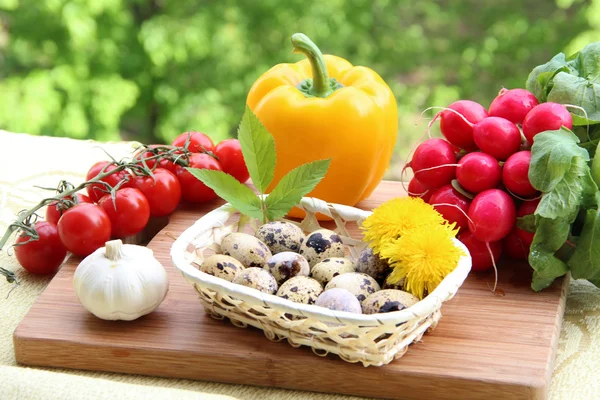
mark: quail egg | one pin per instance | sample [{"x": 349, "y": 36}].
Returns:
[
  {"x": 222, "y": 266},
  {"x": 370, "y": 264},
  {"x": 388, "y": 300},
  {"x": 257, "y": 278},
  {"x": 286, "y": 265},
  {"x": 322, "y": 244},
  {"x": 281, "y": 236},
  {"x": 329, "y": 268},
  {"x": 245, "y": 248},
  {"x": 359, "y": 284},
  {"x": 388, "y": 285},
  {"x": 340, "y": 300},
  {"x": 300, "y": 289}
]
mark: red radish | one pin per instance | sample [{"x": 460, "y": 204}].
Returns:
[
  {"x": 480, "y": 255},
  {"x": 430, "y": 163},
  {"x": 514, "y": 247},
  {"x": 455, "y": 129},
  {"x": 493, "y": 214},
  {"x": 477, "y": 172},
  {"x": 513, "y": 105},
  {"x": 416, "y": 189},
  {"x": 515, "y": 174},
  {"x": 546, "y": 117},
  {"x": 527, "y": 208},
  {"x": 449, "y": 202},
  {"x": 497, "y": 137}
]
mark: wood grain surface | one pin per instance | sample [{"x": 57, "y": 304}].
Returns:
[{"x": 485, "y": 347}]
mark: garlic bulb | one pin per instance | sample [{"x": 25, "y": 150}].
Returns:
[{"x": 120, "y": 281}]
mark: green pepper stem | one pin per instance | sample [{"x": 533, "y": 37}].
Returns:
[{"x": 320, "y": 85}]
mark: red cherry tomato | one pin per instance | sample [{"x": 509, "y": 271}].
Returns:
[
  {"x": 42, "y": 256},
  {"x": 163, "y": 192},
  {"x": 199, "y": 142},
  {"x": 54, "y": 211},
  {"x": 84, "y": 228},
  {"x": 128, "y": 214},
  {"x": 231, "y": 159},
  {"x": 192, "y": 189},
  {"x": 97, "y": 190}
]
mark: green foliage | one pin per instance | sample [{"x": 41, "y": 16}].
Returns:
[{"x": 151, "y": 69}]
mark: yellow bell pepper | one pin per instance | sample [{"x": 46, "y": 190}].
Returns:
[{"x": 323, "y": 107}]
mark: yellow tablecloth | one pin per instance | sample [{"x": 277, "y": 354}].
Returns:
[{"x": 28, "y": 161}]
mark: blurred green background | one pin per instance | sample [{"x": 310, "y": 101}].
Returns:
[{"x": 148, "y": 70}]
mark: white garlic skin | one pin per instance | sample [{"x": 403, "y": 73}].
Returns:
[{"x": 126, "y": 288}]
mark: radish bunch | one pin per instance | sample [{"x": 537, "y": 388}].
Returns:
[{"x": 478, "y": 176}]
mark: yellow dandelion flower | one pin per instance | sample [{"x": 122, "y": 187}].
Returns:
[
  {"x": 396, "y": 217},
  {"x": 423, "y": 257}
]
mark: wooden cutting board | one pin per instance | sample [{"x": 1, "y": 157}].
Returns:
[{"x": 485, "y": 347}]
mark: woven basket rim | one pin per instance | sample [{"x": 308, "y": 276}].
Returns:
[{"x": 220, "y": 215}]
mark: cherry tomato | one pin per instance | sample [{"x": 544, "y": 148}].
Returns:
[
  {"x": 96, "y": 190},
  {"x": 84, "y": 228},
  {"x": 163, "y": 192},
  {"x": 199, "y": 142},
  {"x": 162, "y": 163},
  {"x": 54, "y": 211},
  {"x": 128, "y": 214},
  {"x": 231, "y": 159},
  {"x": 42, "y": 256},
  {"x": 192, "y": 189}
]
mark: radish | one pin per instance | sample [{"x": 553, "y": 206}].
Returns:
[
  {"x": 455, "y": 129},
  {"x": 514, "y": 247},
  {"x": 492, "y": 215},
  {"x": 513, "y": 105},
  {"x": 527, "y": 208},
  {"x": 546, "y": 117},
  {"x": 434, "y": 163},
  {"x": 452, "y": 205},
  {"x": 480, "y": 255},
  {"x": 515, "y": 174},
  {"x": 416, "y": 189},
  {"x": 477, "y": 172},
  {"x": 497, "y": 137}
]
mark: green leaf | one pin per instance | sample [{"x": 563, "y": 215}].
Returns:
[
  {"x": 293, "y": 186},
  {"x": 551, "y": 156},
  {"x": 549, "y": 237},
  {"x": 585, "y": 261},
  {"x": 579, "y": 91},
  {"x": 539, "y": 79},
  {"x": 258, "y": 148},
  {"x": 527, "y": 223},
  {"x": 240, "y": 196}
]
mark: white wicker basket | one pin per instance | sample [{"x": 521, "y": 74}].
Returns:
[{"x": 370, "y": 339}]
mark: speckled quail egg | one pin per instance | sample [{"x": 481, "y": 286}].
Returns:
[
  {"x": 300, "y": 289},
  {"x": 247, "y": 249},
  {"x": 388, "y": 285},
  {"x": 222, "y": 266},
  {"x": 340, "y": 300},
  {"x": 329, "y": 268},
  {"x": 286, "y": 265},
  {"x": 281, "y": 236},
  {"x": 321, "y": 244},
  {"x": 359, "y": 284},
  {"x": 370, "y": 264},
  {"x": 257, "y": 278},
  {"x": 387, "y": 301}
]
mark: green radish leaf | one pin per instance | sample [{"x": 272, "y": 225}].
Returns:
[
  {"x": 527, "y": 223},
  {"x": 581, "y": 91},
  {"x": 293, "y": 186},
  {"x": 258, "y": 148},
  {"x": 585, "y": 261},
  {"x": 549, "y": 237},
  {"x": 240, "y": 196},
  {"x": 539, "y": 79}
]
